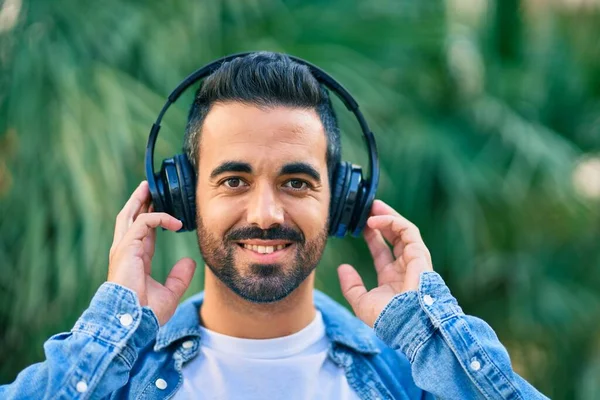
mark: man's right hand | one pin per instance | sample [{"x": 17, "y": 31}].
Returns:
[{"x": 130, "y": 259}]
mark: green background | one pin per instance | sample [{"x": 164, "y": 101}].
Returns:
[{"x": 487, "y": 116}]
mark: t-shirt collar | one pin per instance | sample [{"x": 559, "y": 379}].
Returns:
[{"x": 341, "y": 326}]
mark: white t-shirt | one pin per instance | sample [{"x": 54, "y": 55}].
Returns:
[{"x": 294, "y": 367}]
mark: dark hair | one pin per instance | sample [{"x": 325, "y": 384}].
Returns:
[{"x": 264, "y": 79}]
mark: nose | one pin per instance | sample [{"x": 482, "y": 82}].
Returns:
[{"x": 264, "y": 208}]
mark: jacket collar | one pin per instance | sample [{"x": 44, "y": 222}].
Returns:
[{"x": 340, "y": 325}]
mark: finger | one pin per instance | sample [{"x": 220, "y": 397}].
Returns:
[
  {"x": 149, "y": 247},
  {"x": 129, "y": 210},
  {"x": 149, "y": 240},
  {"x": 395, "y": 229},
  {"x": 416, "y": 251},
  {"x": 398, "y": 249},
  {"x": 381, "y": 208},
  {"x": 146, "y": 222},
  {"x": 180, "y": 277},
  {"x": 143, "y": 210},
  {"x": 382, "y": 255},
  {"x": 352, "y": 285},
  {"x": 137, "y": 203}
]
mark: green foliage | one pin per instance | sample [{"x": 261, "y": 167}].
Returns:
[{"x": 481, "y": 111}]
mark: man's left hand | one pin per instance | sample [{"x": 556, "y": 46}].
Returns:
[{"x": 398, "y": 269}]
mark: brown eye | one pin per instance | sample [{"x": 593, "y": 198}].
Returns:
[
  {"x": 233, "y": 183},
  {"x": 296, "y": 184}
]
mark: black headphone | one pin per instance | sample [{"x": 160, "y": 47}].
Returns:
[{"x": 173, "y": 189}]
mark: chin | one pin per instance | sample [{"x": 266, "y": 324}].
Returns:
[
  {"x": 266, "y": 283},
  {"x": 265, "y": 270}
]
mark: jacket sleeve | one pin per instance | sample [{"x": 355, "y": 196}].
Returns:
[
  {"x": 94, "y": 359},
  {"x": 452, "y": 355}
]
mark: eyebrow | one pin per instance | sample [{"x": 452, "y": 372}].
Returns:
[
  {"x": 300, "y": 168},
  {"x": 231, "y": 166}
]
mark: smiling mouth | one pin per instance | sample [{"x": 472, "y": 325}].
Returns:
[{"x": 264, "y": 249}]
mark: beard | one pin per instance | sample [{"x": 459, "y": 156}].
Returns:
[{"x": 260, "y": 283}]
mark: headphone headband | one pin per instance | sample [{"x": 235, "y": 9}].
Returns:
[{"x": 321, "y": 77}]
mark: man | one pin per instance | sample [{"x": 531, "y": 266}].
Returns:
[{"x": 263, "y": 139}]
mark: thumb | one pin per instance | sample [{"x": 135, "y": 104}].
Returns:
[
  {"x": 180, "y": 277},
  {"x": 352, "y": 285}
]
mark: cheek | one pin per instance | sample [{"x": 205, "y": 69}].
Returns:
[
  {"x": 218, "y": 215},
  {"x": 310, "y": 216}
]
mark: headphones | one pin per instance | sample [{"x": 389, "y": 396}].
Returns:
[{"x": 173, "y": 189}]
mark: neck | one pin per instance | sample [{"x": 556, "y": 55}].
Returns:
[{"x": 225, "y": 312}]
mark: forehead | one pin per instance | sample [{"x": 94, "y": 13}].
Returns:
[{"x": 262, "y": 135}]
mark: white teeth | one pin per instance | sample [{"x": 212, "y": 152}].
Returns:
[{"x": 264, "y": 249}]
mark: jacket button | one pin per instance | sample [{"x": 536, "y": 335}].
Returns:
[
  {"x": 475, "y": 365},
  {"x": 126, "y": 319},
  {"x": 81, "y": 387},
  {"x": 161, "y": 384},
  {"x": 428, "y": 300},
  {"x": 188, "y": 344}
]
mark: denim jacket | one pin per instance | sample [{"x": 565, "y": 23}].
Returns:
[{"x": 422, "y": 346}]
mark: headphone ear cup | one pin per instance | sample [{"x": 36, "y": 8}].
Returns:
[
  {"x": 187, "y": 181},
  {"x": 339, "y": 187},
  {"x": 350, "y": 202},
  {"x": 176, "y": 183},
  {"x": 362, "y": 211}
]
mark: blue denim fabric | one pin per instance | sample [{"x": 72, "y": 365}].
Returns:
[{"x": 422, "y": 346}]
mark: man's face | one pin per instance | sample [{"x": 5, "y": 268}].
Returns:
[{"x": 262, "y": 197}]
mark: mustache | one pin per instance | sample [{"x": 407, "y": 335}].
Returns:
[{"x": 275, "y": 233}]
